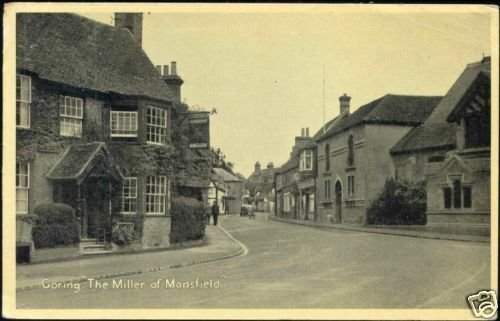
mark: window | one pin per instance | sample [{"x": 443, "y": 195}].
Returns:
[
  {"x": 477, "y": 130},
  {"x": 447, "y": 197},
  {"x": 435, "y": 159},
  {"x": 23, "y": 100},
  {"x": 350, "y": 185},
  {"x": 71, "y": 113},
  {"x": 22, "y": 187},
  {"x": 311, "y": 205},
  {"x": 156, "y": 194},
  {"x": 306, "y": 160},
  {"x": 129, "y": 196},
  {"x": 327, "y": 157},
  {"x": 156, "y": 123},
  {"x": 350, "y": 147},
  {"x": 327, "y": 190},
  {"x": 458, "y": 195},
  {"x": 286, "y": 202},
  {"x": 123, "y": 124}
]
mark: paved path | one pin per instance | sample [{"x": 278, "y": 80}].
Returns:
[{"x": 293, "y": 266}]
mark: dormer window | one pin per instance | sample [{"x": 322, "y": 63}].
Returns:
[
  {"x": 23, "y": 101},
  {"x": 71, "y": 114},
  {"x": 156, "y": 125},
  {"x": 306, "y": 160},
  {"x": 123, "y": 124}
]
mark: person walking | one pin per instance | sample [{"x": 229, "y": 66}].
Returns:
[{"x": 215, "y": 212}]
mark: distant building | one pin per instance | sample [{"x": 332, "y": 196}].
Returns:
[
  {"x": 296, "y": 180},
  {"x": 261, "y": 180},
  {"x": 233, "y": 190},
  {"x": 451, "y": 150}
]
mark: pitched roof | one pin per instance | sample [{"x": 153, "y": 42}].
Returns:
[
  {"x": 436, "y": 132},
  {"x": 427, "y": 136},
  {"x": 389, "y": 109},
  {"x": 458, "y": 90},
  {"x": 83, "y": 53},
  {"x": 225, "y": 175},
  {"x": 78, "y": 160}
]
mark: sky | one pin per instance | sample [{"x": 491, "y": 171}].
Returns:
[{"x": 264, "y": 70}]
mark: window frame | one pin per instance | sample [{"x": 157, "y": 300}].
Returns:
[
  {"x": 327, "y": 157},
  {"x": 350, "y": 186},
  {"x": 68, "y": 118},
  {"x": 450, "y": 193},
  {"x": 287, "y": 202},
  {"x": 153, "y": 196},
  {"x": 153, "y": 128},
  {"x": 350, "y": 150},
  {"x": 328, "y": 189},
  {"x": 306, "y": 155},
  {"x": 24, "y": 188},
  {"x": 128, "y": 198},
  {"x": 117, "y": 113},
  {"x": 22, "y": 102}
]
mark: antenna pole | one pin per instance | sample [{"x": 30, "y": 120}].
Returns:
[{"x": 324, "y": 124}]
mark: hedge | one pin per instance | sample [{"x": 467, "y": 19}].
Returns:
[
  {"x": 400, "y": 203},
  {"x": 188, "y": 219},
  {"x": 55, "y": 225}
]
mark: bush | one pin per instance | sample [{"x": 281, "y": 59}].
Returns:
[
  {"x": 400, "y": 203},
  {"x": 55, "y": 225},
  {"x": 123, "y": 234},
  {"x": 188, "y": 219}
]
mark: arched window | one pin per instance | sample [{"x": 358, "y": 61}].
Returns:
[
  {"x": 327, "y": 157},
  {"x": 350, "y": 147}
]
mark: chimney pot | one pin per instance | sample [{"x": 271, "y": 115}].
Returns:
[
  {"x": 344, "y": 103},
  {"x": 158, "y": 67},
  {"x": 307, "y": 131},
  {"x": 165, "y": 70},
  {"x": 174, "y": 68},
  {"x": 303, "y": 132}
]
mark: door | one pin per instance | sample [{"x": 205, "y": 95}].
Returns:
[
  {"x": 98, "y": 210},
  {"x": 338, "y": 203}
]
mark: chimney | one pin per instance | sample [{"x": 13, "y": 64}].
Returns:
[
  {"x": 173, "y": 81},
  {"x": 344, "y": 103},
  {"x": 132, "y": 22},
  {"x": 257, "y": 168},
  {"x": 158, "y": 68},
  {"x": 270, "y": 165},
  {"x": 307, "y": 131},
  {"x": 303, "y": 132}
]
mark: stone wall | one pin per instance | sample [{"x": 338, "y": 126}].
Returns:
[{"x": 155, "y": 232}]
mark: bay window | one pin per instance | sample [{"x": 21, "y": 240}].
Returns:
[
  {"x": 156, "y": 125},
  {"x": 123, "y": 123},
  {"x": 306, "y": 160}
]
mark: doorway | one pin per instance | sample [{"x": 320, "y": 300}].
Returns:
[
  {"x": 97, "y": 221},
  {"x": 338, "y": 203}
]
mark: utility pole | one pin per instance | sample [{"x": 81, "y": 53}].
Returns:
[{"x": 324, "y": 124}]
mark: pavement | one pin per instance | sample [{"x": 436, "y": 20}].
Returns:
[
  {"x": 388, "y": 230},
  {"x": 289, "y": 266},
  {"x": 220, "y": 245}
]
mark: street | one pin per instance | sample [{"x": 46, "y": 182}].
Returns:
[{"x": 292, "y": 266}]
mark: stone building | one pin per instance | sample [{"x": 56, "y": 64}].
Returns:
[
  {"x": 451, "y": 150},
  {"x": 353, "y": 155},
  {"x": 94, "y": 125}
]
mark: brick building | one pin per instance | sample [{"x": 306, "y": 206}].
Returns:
[
  {"x": 95, "y": 121},
  {"x": 451, "y": 150}
]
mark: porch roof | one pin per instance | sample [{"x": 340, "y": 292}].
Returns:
[{"x": 78, "y": 161}]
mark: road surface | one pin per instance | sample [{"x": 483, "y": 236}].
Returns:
[{"x": 293, "y": 266}]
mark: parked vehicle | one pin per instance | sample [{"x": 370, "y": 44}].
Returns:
[{"x": 246, "y": 210}]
